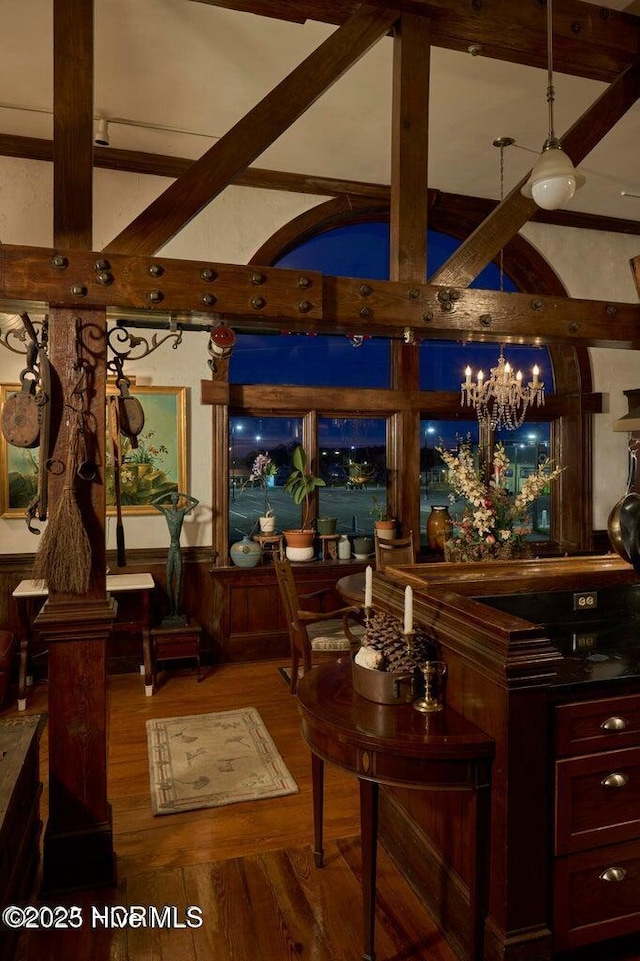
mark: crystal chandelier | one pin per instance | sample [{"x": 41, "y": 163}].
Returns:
[{"x": 501, "y": 400}]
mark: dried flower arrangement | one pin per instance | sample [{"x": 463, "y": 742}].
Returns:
[{"x": 495, "y": 521}]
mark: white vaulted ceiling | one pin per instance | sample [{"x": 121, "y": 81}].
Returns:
[{"x": 174, "y": 75}]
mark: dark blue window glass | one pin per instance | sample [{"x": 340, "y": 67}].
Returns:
[{"x": 362, "y": 250}]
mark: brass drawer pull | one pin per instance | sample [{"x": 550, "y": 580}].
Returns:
[
  {"x": 615, "y": 780},
  {"x": 613, "y": 874},
  {"x": 614, "y": 724}
]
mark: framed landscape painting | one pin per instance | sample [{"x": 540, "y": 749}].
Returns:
[
  {"x": 157, "y": 465},
  {"x": 159, "y": 462},
  {"x": 18, "y": 469}
]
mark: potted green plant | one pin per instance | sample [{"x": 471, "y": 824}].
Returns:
[
  {"x": 384, "y": 523},
  {"x": 300, "y": 484}
]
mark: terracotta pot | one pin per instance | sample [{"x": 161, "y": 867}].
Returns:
[
  {"x": 386, "y": 529},
  {"x": 300, "y": 545},
  {"x": 439, "y": 528}
]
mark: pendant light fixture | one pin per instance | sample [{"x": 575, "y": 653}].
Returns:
[{"x": 553, "y": 180}]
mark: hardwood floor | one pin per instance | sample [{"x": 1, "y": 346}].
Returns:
[{"x": 248, "y": 866}]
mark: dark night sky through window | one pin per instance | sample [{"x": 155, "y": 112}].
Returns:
[{"x": 362, "y": 250}]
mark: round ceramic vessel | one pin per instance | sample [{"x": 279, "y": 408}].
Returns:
[{"x": 245, "y": 553}]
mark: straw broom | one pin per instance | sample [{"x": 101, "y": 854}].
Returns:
[{"x": 63, "y": 560}]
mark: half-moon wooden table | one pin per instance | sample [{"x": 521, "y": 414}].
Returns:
[
  {"x": 351, "y": 588},
  {"x": 396, "y": 745}
]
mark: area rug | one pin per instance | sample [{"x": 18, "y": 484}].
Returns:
[
  {"x": 285, "y": 674},
  {"x": 207, "y": 760}
]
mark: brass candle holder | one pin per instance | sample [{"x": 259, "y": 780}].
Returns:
[{"x": 434, "y": 673}]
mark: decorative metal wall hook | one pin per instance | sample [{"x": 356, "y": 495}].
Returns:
[
  {"x": 19, "y": 332},
  {"x": 127, "y": 346}
]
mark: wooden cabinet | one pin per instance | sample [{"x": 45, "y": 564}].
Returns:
[
  {"x": 596, "y": 871},
  {"x": 20, "y": 825},
  {"x": 564, "y": 848}
]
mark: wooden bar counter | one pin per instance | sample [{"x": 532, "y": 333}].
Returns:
[{"x": 544, "y": 656}]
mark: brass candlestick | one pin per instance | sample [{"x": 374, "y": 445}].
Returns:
[{"x": 433, "y": 700}]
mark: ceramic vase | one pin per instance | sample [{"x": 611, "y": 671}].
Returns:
[
  {"x": 246, "y": 553},
  {"x": 439, "y": 528}
]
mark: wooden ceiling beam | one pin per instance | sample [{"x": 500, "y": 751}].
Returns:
[
  {"x": 73, "y": 122},
  {"x": 256, "y": 131},
  {"x": 409, "y": 150},
  {"x": 163, "y": 165},
  {"x": 270, "y": 299},
  {"x": 589, "y": 41},
  {"x": 515, "y": 210}
]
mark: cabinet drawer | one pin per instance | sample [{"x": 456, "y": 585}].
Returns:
[
  {"x": 612, "y": 722},
  {"x": 597, "y": 896},
  {"x": 597, "y": 800}
]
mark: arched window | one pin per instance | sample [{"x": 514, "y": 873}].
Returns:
[{"x": 312, "y": 389}]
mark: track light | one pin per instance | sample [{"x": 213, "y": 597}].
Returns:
[
  {"x": 102, "y": 132},
  {"x": 553, "y": 179}
]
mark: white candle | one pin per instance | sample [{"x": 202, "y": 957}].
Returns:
[
  {"x": 368, "y": 586},
  {"x": 408, "y": 610},
  {"x": 536, "y": 371},
  {"x": 467, "y": 376},
  {"x": 480, "y": 378}
]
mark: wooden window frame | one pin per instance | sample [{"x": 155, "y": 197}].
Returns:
[{"x": 569, "y": 409}]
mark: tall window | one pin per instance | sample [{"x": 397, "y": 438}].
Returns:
[{"x": 332, "y": 393}]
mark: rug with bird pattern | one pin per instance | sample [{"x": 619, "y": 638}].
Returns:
[{"x": 207, "y": 760}]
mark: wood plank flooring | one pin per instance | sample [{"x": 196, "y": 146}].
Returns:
[{"x": 248, "y": 866}]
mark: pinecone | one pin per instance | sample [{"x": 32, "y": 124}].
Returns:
[{"x": 383, "y": 633}]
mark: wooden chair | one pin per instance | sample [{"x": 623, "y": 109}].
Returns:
[
  {"x": 309, "y": 630},
  {"x": 398, "y": 550}
]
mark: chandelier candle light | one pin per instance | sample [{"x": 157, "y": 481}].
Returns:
[{"x": 501, "y": 400}]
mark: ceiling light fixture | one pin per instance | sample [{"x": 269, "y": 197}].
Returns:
[
  {"x": 502, "y": 400},
  {"x": 553, "y": 180}
]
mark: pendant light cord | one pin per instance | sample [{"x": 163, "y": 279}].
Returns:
[{"x": 550, "y": 88}]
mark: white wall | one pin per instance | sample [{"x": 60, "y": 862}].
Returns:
[
  {"x": 594, "y": 265},
  {"x": 591, "y": 264},
  {"x": 229, "y": 230}
]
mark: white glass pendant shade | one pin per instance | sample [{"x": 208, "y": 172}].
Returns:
[{"x": 553, "y": 180}]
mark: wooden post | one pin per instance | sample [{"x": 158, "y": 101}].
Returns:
[{"x": 78, "y": 842}]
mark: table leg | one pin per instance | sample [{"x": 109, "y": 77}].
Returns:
[
  {"x": 25, "y": 632},
  {"x": 317, "y": 781},
  {"x": 149, "y": 672},
  {"x": 369, "y": 841},
  {"x": 479, "y": 827},
  {"x": 22, "y": 673}
]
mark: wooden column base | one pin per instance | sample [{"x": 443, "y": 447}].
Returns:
[{"x": 76, "y": 860}]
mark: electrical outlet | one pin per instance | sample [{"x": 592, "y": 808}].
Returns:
[
  {"x": 585, "y": 601},
  {"x": 581, "y": 642}
]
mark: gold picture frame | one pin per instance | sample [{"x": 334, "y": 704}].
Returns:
[
  {"x": 18, "y": 469},
  {"x": 158, "y": 464}
]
